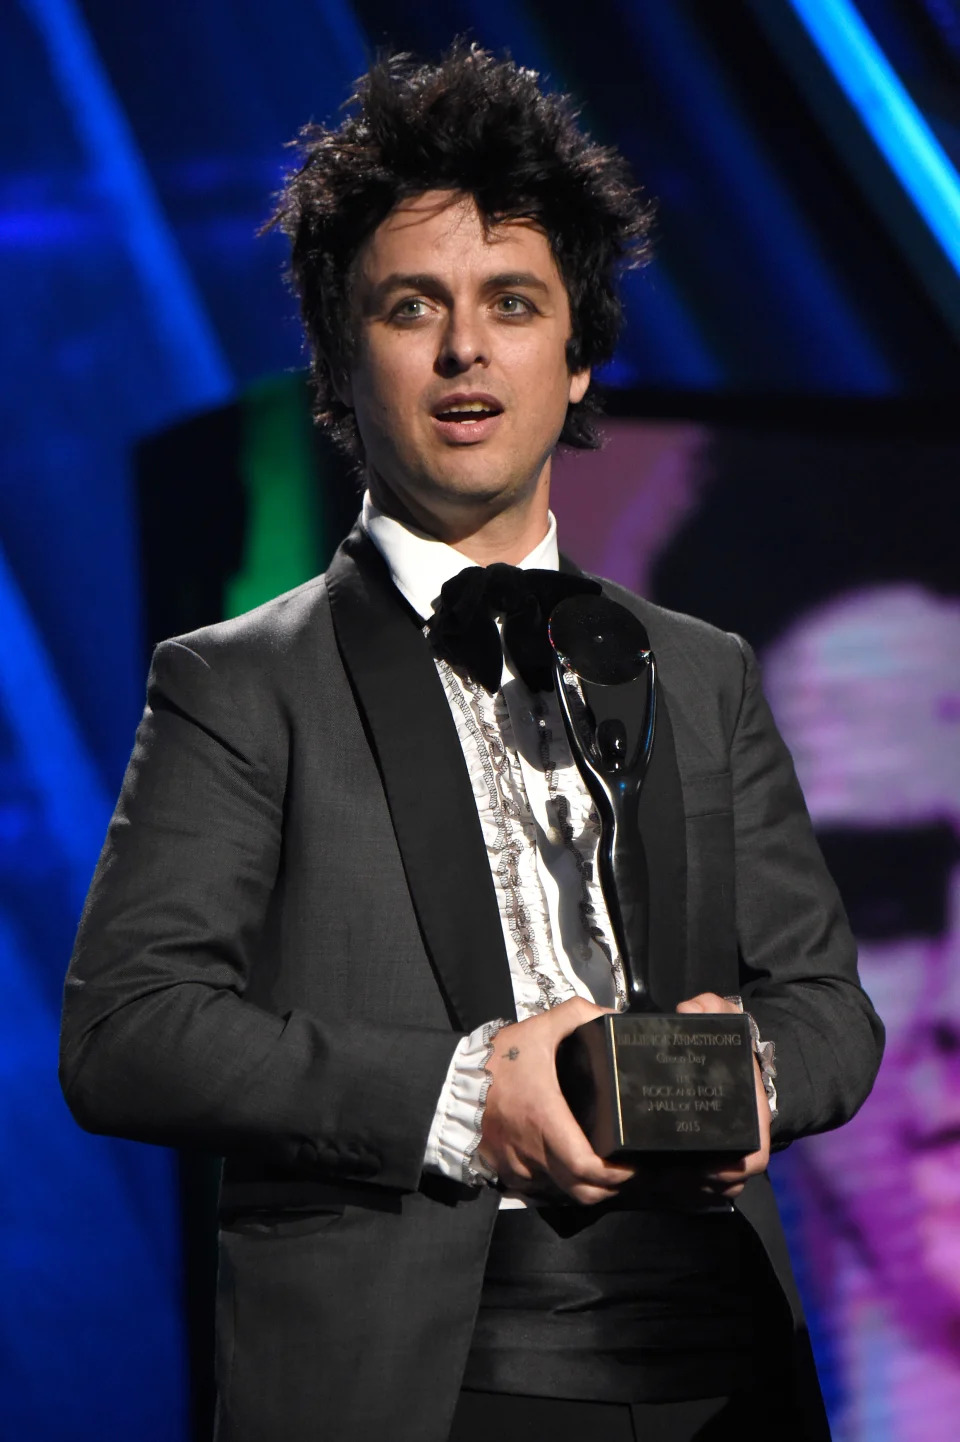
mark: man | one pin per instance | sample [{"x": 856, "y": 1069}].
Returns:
[{"x": 347, "y": 908}]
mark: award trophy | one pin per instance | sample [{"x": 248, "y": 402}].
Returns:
[{"x": 637, "y": 1080}]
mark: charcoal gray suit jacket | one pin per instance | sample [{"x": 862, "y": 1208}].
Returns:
[{"x": 293, "y": 922}]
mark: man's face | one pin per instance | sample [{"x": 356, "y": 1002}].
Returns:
[
  {"x": 459, "y": 381},
  {"x": 867, "y": 694}
]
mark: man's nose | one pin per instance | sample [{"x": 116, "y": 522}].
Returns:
[{"x": 464, "y": 344}]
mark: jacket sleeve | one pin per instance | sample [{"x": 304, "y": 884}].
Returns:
[
  {"x": 158, "y": 1041},
  {"x": 798, "y": 959}
]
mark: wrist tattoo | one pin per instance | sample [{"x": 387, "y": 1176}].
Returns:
[{"x": 512, "y": 1054}]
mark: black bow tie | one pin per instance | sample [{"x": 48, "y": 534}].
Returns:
[{"x": 463, "y": 631}]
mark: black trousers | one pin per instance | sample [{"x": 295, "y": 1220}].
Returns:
[{"x": 485, "y": 1416}]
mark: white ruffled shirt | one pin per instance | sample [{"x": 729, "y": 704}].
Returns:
[{"x": 541, "y": 832}]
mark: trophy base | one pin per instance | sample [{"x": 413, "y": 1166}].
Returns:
[{"x": 642, "y": 1083}]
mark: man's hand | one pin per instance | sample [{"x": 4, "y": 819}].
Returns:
[
  {"x": 729, "y": 1181},
  {"x": 529, "y": 1134}
]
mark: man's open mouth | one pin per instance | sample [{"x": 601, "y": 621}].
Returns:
[{"x": 467, "y": 410}]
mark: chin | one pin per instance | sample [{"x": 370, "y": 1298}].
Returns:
[
  {"x": 486, "y": 476},
  {"x": 487, "y": 493}
]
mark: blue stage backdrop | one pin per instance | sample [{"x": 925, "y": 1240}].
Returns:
[{"x": 803, "y": 251}]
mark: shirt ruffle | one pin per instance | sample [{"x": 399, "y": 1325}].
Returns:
[
  {"x": 455, "y": 1133},
  {"x": 541, "y": 834}
]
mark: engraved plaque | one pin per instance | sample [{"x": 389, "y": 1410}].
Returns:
[{"x": 647, "y": 1083}]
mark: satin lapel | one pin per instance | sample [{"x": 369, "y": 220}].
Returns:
[
  {"x": 663, "y": 828},
  {"x": 428, "y": 790}
]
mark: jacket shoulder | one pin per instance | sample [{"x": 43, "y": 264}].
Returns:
[
  {"x": 264, "y": 635},
  {"x": 703, "y": 669},
  {"x": 246, "y": 678},
  {"x": 674, "y": 631}
]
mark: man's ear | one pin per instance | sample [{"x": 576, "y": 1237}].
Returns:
[
  {"x": 579, "y": 382},
  {"x": 342, "y": 389}
]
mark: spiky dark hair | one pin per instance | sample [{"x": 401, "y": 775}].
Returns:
[{"x": 478, "y": 124}]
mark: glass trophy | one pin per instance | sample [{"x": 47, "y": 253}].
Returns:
[{"x": 639, "y": 1080}]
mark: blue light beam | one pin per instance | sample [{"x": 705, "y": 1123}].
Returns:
[
  {"x": 56, "y": 757},
  {"x": 895, "y": 123},
  {"x": 347, "y": 38},
  {"x": 197, "y": 367}
]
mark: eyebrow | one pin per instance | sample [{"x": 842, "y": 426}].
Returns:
[{"x": 433, "y": 285}]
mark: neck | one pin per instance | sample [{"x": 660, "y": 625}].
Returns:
[{"x": 476, "y": 530}]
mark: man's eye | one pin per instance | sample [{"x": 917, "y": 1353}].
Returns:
[
  {"x": 410, "y": 309},
  {"x": 514, "y": 305}
]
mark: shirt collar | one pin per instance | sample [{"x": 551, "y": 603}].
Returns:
[{"x": 420, "y": 565}]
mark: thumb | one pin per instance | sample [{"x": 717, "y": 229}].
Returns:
[
  {"x": 575, "y": 1013},
  {"x": 706, "y": 1001}
]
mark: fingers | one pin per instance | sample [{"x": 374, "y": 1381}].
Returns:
[
  {"x": 734, "y": 1173},
  {"x": 555, "y": 1154},
  {"x": 591, "y": 1196},
  {"x": 687, "y": 1186},
  {"x": 707, "y": 1001},
  {"x": 572, "y": 1163},
  {"x": 730, "y": 1176},
  {"x": 594, "y": 1177},
  {"x": 730, "y": 1182},
  {"x": 557, "y": 1182},
  {"x": 566, "y": 1017}
]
